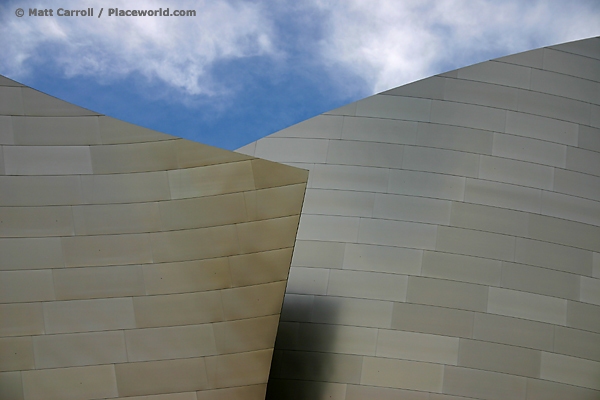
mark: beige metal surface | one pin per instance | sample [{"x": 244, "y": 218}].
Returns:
[
  {"x": 134, "y": 264},
  {"x": 449, "y": 244}
]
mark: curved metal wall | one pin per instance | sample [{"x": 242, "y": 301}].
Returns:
[
  {"x": 135, "y": 264},
  {"x": 449, "y": 243}
]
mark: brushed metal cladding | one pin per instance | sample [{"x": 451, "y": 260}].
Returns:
[
  {"x": 449, "y": 241},
  {"x": 134, "y": 263}
]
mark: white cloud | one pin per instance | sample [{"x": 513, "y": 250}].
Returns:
[
  {"x": 383, "y": 43},
  {"x": 390, "y": 43},
  {"x": 179, "y": 51}
]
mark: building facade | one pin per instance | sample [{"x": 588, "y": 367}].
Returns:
[
  {"x": 444, "y": 245},
  {"x": 449, "y": 242},
  {"x": 134, "y": 263}
]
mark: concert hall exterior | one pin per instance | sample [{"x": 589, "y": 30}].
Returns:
[{"x": 446, "y": 246}]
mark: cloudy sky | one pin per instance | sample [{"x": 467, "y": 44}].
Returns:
[{"x": 240, "y": 70}]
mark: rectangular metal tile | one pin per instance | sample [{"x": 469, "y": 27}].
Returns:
[
  {"x": 443, "y": 293},
  {"x": 461, "y": 268},
  {"x": 88, "y": 315},
  {"x": 91, "y": 382},
  {"x": 402, "y": 374},
  {"x": 161, "y": 376},
  {"x": 170, "y": 342},
  {"x": 379, "y": 130},
  {"x": 292, "y": 149},
  {"x": 79, "y": 349},
  {"x": 431, "y": 319},
  {"x": 416, "y": 183},
  {"x": 516, "y": 172},
  {"x": 21, "y": 319},
  {"x": 554, "y": 256},
  {"x": 395, "y": 260},
  {"x": 36, "y": 221},
  {"x": 570, "y": 370},
  {"x": 440, "y": 160},
  {"x": 47, "y": 160},
  {"x": 396, "y": 107},
  {"x": 515, "y": 331},
  {"x": 368, "y": 285},
  {"x": 56, "y": 131},
  {"x": 499, "y": 358},
  {"x": 397, "y": 233},
  {"x": 475, "y": 383},
  {"x": 475, "y": 243},
  {"x": 106, "y": 250},
  {"x": 368, "y": 154},
  {"x": 98, "y": 282},
  {"x": 454, "y": 138},
  {"x": 468, "y": 115},
  {"x": 26, "y": 286},
  {"x": 538, "y": 127},
  {"x": 417, "y": 347},
  {"x": 177, "y": 309},
  {"x": 530, "y": 306}
]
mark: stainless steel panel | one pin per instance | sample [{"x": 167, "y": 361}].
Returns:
[
  {"x": 577, "y": 184},
  {"x": 367, "y": 285},
  {"x": 349, "y": 177},
  {"x": 483, "y": 384},
  {"x": 461, "y": 268},
  {"x": 491, "y": 219},
  {"x": 583, "y": 161},
  {"x": 443, "y": 293},
  {"x": 427, "y": 184},
  {"x": 319, "y": 127},
  {"x": 6, "y": 130},
  {"x": 454, "y": 138},
  {"x": 431, "y": 319},
  {"x": 412, "y": 208},
  {"x": 503, "y": 195},
  {"x": 514, "y": 331},
  {"x": 396, "y": 107},
  {"x": 540, "y": 280},
  {"x": 570, "y": 370},
  {"x": 499, "y": 357},
  {"x": 548, "y": 105},
  {"x": 47, "y": 160},
  {"x": 368, "y": 154},
  {"x": 137, "y": 157},
  {"x": 538, "y": 127},
  {"x": 441, "y": 161},
  {"x": 56, "y": 131},
  {"x": 532, "y": 150},
  {"x": 483, "y": 94},
  {"x": 379, "y": 130},
  {"x": 468, "y": 115},
  {"x": 429, "y": 88},
  {"x": 530, "y": 306},
  {"x": 554, "y": 256},
  {"x": 40, "y": 104},
  {"x": 475, "y": 243},
  {"x": 339, "y": 202},
  {"x": 402, "y": 374},
  {"x": 292, "y": 149},
  {"x": 531, "y": 58},
  {"x": 571, "y": 208},
  {"x": 501, "y": 73},
  {"x": 516, "y": 172},
  {"x": 397, "y": 233},
  {"x": 571, "y": 64},
  {"x": 395, "y": 260},
  {"x": 564, "y": 85}
]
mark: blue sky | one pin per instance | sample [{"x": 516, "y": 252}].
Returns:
[{"x": 241, "y": 70}]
